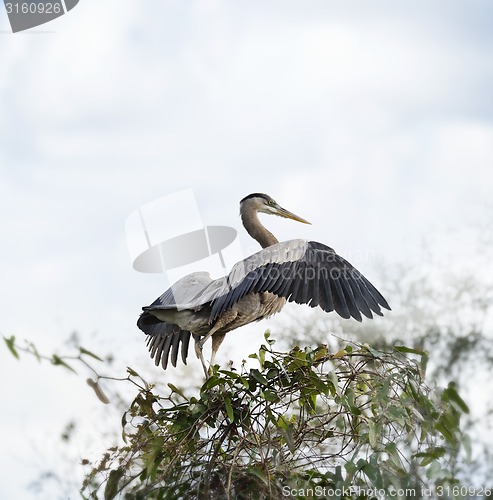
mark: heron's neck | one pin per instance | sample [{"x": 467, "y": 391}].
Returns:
[{"x": 256, "y": 230}]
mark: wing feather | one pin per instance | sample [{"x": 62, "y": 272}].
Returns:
[
  {"x": 350, "y": 300},
  {"x": 359, "y": 297},
  {"x": 294, "y": 289},
  {"x": 340, "y": 305},
  {"x": 164, "y": 339},
  {"x": 315, "y": 291},
  {"x": 327, "y": 303}
]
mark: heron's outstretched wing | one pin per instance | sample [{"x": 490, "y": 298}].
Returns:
[
  {"x": 302, "y": 272},
  {"x": 165, "y": 338}
]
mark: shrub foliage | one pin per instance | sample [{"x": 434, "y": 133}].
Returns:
[{"x": 355, "y": 420}]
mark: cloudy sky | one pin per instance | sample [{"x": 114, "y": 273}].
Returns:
[{"x": 373, "y": 120}]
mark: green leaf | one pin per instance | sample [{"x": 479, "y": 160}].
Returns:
[
  {"x": 355, "y": 410},
  {"x": 430, "y": 455},
  {"x": 373, "y": 433},
  {"x": 451, "y": 394},
  {"x": 175, "y": 389},
  {"x": 409, "y": 350},
  {"x": 333, "y": 383},
  {"x": 111, "y": 489},
  {"x": 339, "y": 354},
  {"x": 320, "y": 353},
  {"x": 132, "y": 373},
  {"x": 351, "y": 468},
  {"x": 89, "y": 353},
  {"x": 287, "y": 434},
  {"x": 11, "y": 345},
  {"x": 375, "y": 464},
  {"x": 442, "y": 427},
  {"x": 391, "y": 449},
  {"x": 259, "y": 377},
  {"x": 124, "y": 423},
  {"x": 98, "y": 391},
  {"x": 282, "y": 422},
  {"x": 268, "y": 339},
  {"x": 35, "y": 351},
  {"x": 397, "y": 414},
  {"x": 298, "y": 360},
  {"x": 269, "y": 396},
  {"x": 229, "y": 374},
  {"x": 466, "y": 443},
  {"x": 153, "y": 459},
  {"x": 424, "y": 363},
  {"x": 244, "y": 381},
  {"x": 229, "y": 409},
  {"x": 257, "y": 471},
  {"x": 372, "y": 351},
  {"x": 210, "y": 383},
  {"x": 57, "y": 361},
  {"x": 272, "y": 373},
  {"x": 261, "y": 355}
]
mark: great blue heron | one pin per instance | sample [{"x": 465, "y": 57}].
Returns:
[{"x": 305, "y": 272}]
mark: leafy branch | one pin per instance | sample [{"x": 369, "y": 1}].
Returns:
[
  {"x": 306, "y": 418},
  {"x": 83, "y": 357}
]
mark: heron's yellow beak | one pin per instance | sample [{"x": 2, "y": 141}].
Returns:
[{"x": 289, "y": 215}]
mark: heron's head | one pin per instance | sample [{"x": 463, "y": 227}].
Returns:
[{"x": 260, "y": 202}]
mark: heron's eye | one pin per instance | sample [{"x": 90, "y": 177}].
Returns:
[{"x": 271, "y": 202}]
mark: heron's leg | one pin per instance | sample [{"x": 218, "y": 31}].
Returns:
[
  {"x": 222, "y": 321},
  {"x": 217, "y": 340},
  {"x": 198, "y": 352}
]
